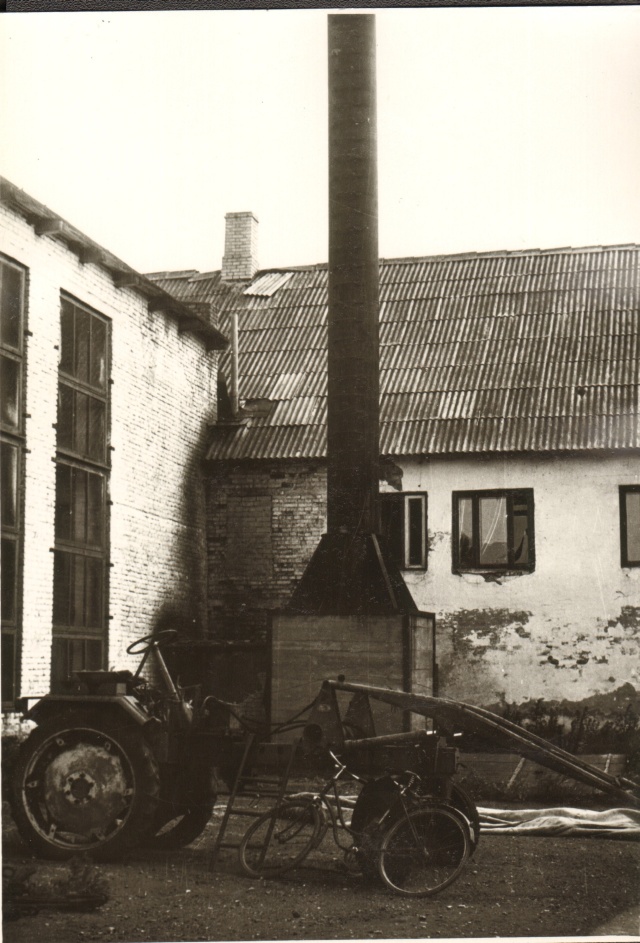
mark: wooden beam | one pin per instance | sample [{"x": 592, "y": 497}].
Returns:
[
  {"x": 202, "y": 308},
  {"x": 190, "y": 324},
  {"x": 47, "y": 226},
  {"x": 90, "y": 254},
  {"x": 127, "y": 280}
]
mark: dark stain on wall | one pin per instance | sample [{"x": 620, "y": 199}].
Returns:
[
  {"x": 489, "y": 624},
  {"x": 629, "y": 618}
]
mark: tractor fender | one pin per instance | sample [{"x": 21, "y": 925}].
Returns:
[{"x": 52, "y": 704}]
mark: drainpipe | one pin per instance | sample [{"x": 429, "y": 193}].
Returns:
[{"x": 235, "y": 399}]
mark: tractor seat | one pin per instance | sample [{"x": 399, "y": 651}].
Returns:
[{"x": 105, "y": 682}]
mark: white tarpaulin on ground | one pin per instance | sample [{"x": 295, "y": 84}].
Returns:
[{"x": 608, "y": 823}]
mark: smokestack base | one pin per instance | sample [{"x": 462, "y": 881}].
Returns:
[{"x": 348, "y": 575}]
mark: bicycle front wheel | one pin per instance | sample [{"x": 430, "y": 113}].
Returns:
[
  {"x": 280, "y": 839},
  {"x": 425, "y": 851}
]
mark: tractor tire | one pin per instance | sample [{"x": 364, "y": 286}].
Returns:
[
  {"x": 85, "y": 782},
  {"x": 179, "y": 830}
]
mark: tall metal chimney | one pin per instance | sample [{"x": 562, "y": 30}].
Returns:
[
  {"x": 353, "y": 453},
  {"x": 351, "y": 612},
  {"x": 348, "y": 572}
]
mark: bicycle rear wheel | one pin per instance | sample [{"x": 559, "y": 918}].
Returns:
[
  {"x": 280, "y": 839},
  {"x": 425, "y": 851}
]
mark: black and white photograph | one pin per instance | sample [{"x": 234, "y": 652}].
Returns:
[{"x": 320, "y": 457}]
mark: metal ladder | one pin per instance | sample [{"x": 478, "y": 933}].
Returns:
[{"x": 248, "y": 784}]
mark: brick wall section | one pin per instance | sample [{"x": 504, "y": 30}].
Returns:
[
  {"x": 162, "y": 397},
  {"x": 254, "y": 569},
  {"x": 240, "y": 260}
]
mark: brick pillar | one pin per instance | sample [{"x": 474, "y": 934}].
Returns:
[{"x": 240, "y": 260}]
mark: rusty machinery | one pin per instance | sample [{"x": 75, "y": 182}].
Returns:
[
  {"x": 432, "y": 752},
  {"x": 117, "y": 761}
]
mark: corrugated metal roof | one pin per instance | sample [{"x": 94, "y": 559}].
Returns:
[{"x": 526, "y": 351}]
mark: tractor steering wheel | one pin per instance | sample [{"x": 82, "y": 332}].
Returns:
[{"x": 142, "y": 645}]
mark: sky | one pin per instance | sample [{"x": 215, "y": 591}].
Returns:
[{"x": 501, "y": 128}]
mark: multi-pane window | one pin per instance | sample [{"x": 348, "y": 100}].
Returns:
[
  {"x": 493, "y": 530},
  {"x": 630, "y": 525},
  {"x": 12, "y": 333},
  {"x": 80, "y": 564},
  {"x": 404, "y": 529}
]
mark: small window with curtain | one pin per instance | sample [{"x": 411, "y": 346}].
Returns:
[
  {"x": 404, "y": 529},
  {"x": 630, "y": 525},
  {"x": 493, "y": 531}
]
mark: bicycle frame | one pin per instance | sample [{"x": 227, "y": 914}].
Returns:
[{"x": 337, "y": 818}]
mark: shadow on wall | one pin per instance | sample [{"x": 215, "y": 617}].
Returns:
[
  {"x": 183, "y": 616},
  {"x": 186, "y": 611}
]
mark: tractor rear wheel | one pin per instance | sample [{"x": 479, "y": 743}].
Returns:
[
  {"x": 84, "y": 782},
  {"x": 179, "y": 829}
]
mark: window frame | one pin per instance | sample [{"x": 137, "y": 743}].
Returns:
[
  {"x": 510, "y": 494},
  {"x": 76, "y": 550},
  {"x": 403, "y": 498},
  {"x": 12, "y": 436},
  {"x": 623, "y": 491}
]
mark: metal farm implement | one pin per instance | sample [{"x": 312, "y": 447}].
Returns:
[{"x": 120, "y": 761}]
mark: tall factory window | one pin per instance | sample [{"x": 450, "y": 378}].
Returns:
[
  {"x": 630, "y": 525},
  {"x": 493, "y": 531},
  {"x": 404, "y": 529},
  {"x": 12, "y": 334},
  {"x": 82, "y": 473}
]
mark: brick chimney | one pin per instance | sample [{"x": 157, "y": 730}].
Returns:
[{"x": 240, "y": 260}]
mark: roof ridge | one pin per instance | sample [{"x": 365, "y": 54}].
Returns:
[
  {"x": 185, "y": 273},
  {"x": 509, "y": 253},
  {"x": 195, "y": 275}
]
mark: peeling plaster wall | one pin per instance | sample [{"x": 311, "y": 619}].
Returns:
[{"x": 571, "y": 628}]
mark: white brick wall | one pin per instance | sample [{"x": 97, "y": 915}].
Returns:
[
  {"x": 240, "y": 260},
  {"x": 162, "y": 396}
]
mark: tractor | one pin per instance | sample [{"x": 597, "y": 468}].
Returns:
[
  {"x": 117, "y": 761},
  {"x": 121, "y": 761}
]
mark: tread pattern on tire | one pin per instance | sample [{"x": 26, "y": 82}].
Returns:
[{"x": 186, "y": 829}]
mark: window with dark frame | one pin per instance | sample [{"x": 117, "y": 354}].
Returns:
[
  {"x": 12, "y": 440},
  {"x": 630, "y": 525},
  {"x": 404, "y": 529},
  {"x": 493, "y": 531},
  {"x": 82, "y": 470}
]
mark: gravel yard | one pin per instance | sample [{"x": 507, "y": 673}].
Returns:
[{"x": 513, "y": 886}]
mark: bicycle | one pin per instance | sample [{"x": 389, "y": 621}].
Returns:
[
  {"x": 283, "y": 836},
  {"x": 418, "y": 845}
]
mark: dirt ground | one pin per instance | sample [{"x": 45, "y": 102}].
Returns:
[{"x": 513, "y": 886}]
